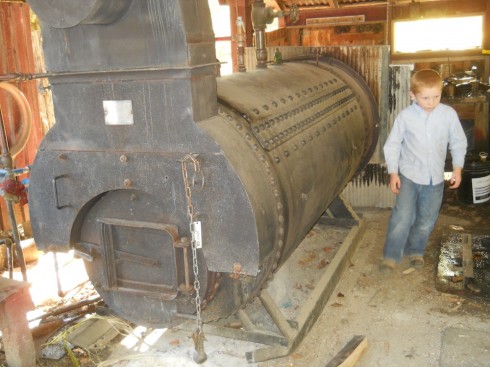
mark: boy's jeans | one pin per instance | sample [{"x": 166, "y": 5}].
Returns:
[{"x": 412, "y": 219}]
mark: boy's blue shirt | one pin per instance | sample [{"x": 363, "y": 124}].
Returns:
[{"x": 417, "y": 144}]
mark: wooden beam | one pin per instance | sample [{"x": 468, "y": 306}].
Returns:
[
  {"x": 351, "y": 353},
  {"x": 371, "y": 14},
  {"x": 468, "y": 256},
  {"x": 281, "y": 4}
]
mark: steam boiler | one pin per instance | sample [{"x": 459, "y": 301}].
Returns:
[{"x": 173, "y": 183}]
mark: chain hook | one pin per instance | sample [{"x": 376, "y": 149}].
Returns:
[{"x": 198, "y": 335}]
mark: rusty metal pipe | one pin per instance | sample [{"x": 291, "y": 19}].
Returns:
[
  {"x": 240, "y": 38},
  {"x": 7, "y": 164},
  {"x": 261, "y": 16}
]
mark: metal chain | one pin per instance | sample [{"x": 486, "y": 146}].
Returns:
[{"x": 198, "y": 335}]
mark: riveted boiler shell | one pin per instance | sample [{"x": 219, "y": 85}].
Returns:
[{"x": 311, "y": 126}]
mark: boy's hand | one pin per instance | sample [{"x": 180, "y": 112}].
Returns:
[
  {"x": 455, "y": 180},
  {"x": 395, "y": 183}
]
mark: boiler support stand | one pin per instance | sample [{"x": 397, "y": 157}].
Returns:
[{"x": 292, "y": 332}]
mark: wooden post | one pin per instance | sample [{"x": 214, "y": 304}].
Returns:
[{"x": 15, "y": 301}]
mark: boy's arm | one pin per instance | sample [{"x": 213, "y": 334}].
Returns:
[
  {"x": 391, "y": 150},
  {"x": 457, "y": 144},
  {"x": 455, "y": 178}
]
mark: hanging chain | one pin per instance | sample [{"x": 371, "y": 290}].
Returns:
[{"x": 196, "y": 242}]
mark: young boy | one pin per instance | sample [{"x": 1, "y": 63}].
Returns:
[{"x": 415, "y": 154}]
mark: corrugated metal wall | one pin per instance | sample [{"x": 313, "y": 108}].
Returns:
[
  {"x": 369, "y": 189},
  {"x": 16, "y": 56},
  {"x": 399, "y": 91},
  {"x": 390, "y": 86}
]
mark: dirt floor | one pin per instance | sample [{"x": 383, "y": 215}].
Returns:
[{"x": 407, "y": 321}]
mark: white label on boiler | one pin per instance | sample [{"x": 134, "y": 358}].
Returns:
[{"x": 118, "y": 112}]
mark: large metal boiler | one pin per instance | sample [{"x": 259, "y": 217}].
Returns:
[{"x": 147, "y": 139}]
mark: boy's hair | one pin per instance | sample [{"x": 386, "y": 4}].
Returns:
[{"x": 425, "y": 78}]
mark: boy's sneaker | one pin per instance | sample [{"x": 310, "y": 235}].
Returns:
[
  {"x": 416, "y": 261},
  {"x": 387, "y": 266}
]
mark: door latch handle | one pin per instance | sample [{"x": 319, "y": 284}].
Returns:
[{"x": 55, "y": 192}]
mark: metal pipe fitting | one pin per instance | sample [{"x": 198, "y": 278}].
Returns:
[{"x": 261, "y": 16}]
